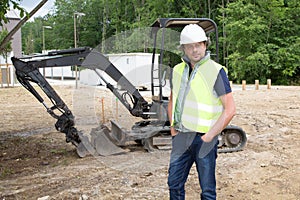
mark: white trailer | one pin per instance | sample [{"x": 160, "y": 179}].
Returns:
[{"x": 136, "y": 67}]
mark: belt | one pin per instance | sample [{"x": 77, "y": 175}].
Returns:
[
  {"x": 200, "y": 134},
  {"x": 197, "y": 134}
]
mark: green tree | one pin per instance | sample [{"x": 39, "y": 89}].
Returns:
[
  {"x": 5, "y": 6},
  {"x": 259, "y": 39},
  {"x": 32, "y": 36},
  {"x": 262, "y": 40},
  {"x": 63, "y": 22}
]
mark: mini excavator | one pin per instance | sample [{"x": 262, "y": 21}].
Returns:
[{"x": 153, "y": 131}]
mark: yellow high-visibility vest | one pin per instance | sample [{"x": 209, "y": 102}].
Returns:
[{"x": 198, "y": 106}]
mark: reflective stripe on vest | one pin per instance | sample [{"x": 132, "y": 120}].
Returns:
[{"x": 195, "y": 104}]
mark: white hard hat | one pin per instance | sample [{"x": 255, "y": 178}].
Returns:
[{"x": 192, "y": 33}]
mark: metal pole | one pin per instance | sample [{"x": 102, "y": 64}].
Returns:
[
  {"x": 44, "y": 70},
  {"x": 43, "y": 38},
  {"x": 48, "y": 27},
  {"x": 75, "y": 44}
]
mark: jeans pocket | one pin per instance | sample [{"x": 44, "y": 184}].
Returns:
[{"x": 207, "y": 147}]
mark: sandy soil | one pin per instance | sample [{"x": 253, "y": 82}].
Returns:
[{"x": 36, "y": 162}]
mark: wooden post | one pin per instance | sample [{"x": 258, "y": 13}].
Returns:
[
  {"x": 103, "y": 117},
  {"x": 268, "y": 83},
  {"x": 7, "y": 75},
  {"x": 256, "y": 84},
  {"x": 243, "y": 84}
]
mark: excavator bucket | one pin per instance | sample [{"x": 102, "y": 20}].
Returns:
[
  {"x": 100, "y": 144},
  {"x": 103, "y": 143},
  {"x": 85, "y": 147}
]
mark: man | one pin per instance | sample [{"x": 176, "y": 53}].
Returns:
[{"x": 201, "y": 105}]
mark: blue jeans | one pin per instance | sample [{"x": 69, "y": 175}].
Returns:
[{"x": 188, "y": 148}]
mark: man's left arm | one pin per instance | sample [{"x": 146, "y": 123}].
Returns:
[{"x": 224, "y": 119}]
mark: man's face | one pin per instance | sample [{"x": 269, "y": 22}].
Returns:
[{"x": 195, "y": 51}]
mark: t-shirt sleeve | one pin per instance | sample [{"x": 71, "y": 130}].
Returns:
[{"x": 222, "y": 85}]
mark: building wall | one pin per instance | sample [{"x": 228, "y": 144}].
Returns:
[
  {"x": 7, "y": 71},
  {"x": 16, "y": 41}
]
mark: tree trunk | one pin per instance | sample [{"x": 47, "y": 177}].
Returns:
[{"x": 20, "y": 24}]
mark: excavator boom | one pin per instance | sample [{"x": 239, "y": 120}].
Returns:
[{"x": 27, "y": 72}]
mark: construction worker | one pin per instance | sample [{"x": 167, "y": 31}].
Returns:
[{"x": 201, "y": 105}]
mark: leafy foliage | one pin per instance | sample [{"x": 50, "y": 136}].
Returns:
[
  {"x": 258, "y": 39},
  {"x": 262, "y": 40},
  {"x": 4, "y": 7}
]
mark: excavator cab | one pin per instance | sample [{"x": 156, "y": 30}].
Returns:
[
  {"x": 162, "y": 25},
  {"x": 165, "y": 33}
]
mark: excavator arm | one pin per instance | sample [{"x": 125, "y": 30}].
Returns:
[{"x": 27, "y": 72}]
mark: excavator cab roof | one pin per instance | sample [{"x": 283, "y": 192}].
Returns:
[{"x": 207, "y": 24}]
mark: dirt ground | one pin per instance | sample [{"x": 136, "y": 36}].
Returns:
[{"x": 37, "y": 163}]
